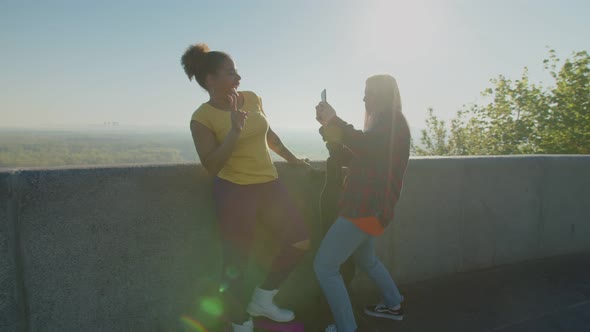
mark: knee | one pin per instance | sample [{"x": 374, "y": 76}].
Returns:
[
  {"x": 318, "y": 266},
  {"x": 323, "y": 267},
  {"x": 302, "y": 245},
  {"x": 367, "y": 265}
]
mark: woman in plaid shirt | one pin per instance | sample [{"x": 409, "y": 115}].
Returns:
[{"x": 376, "y": 158}]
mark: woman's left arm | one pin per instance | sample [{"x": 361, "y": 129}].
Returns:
[
  {"x": 275, "y": 144},
  {"x": 361, "y": 143}
]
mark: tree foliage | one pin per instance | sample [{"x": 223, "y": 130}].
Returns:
[{"x": 521, "y": 117}]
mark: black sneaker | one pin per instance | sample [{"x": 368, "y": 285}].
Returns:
[{"x": 382, "y": 311}]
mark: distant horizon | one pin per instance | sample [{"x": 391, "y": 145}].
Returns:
[
  {"x": 123, "y": 126},
  {"x": 152, "y": 128}
]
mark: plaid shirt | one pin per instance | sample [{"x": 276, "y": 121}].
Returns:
[{"x": 372, "y": 187}]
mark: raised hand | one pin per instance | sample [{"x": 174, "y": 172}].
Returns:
[
  {"x": 324, "y": 112},
  {"x": 238, "y": 117}
]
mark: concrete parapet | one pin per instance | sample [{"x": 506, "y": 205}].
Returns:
[{"x": 134, "y": 248}]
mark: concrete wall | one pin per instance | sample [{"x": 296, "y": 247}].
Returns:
[
  {"x": 134, "y": 248},
  {"x": 462, "y": 214},
  {"x": 9, "y": 307}
]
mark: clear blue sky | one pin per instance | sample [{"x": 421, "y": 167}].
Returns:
[{"x": 86, "y": 62}]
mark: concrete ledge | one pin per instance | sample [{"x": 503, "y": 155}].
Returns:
[
  {"x": 462, "y": 214},
  {"x": 10, "y": 311},
  {"x": 134, "y": 248}
]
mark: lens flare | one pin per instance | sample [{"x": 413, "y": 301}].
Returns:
[
  {"x": 232, "y": 272},
  {"x": 223, "y": 287},
  {"x": 193, "y": 324},
  {"x": 212, "y": 306}
]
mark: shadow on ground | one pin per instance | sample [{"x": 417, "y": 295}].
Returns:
[{"x": 550, "y": 294}]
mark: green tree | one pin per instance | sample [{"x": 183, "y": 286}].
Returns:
[
  {"x": 521, "y": 117},
  {"x": 568, "y": 128},
  {"x": 433, "y": 138}
]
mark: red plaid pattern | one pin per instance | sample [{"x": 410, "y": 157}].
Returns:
[{"x": 376, "y": 166}]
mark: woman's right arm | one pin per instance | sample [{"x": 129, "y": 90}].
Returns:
[
  {"x": 337, "y": 150},
  {"x": 212, "y": 155},
  {"x": 360, "y": 143}
]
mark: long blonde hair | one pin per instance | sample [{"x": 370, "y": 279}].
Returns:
[
  {"x": 388, "y": 99},
  {"x": 387, "y": 114}
]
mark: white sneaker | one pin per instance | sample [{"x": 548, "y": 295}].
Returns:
[
  {"x": 331, "y": 328},
  {"x": 248, "y": 326},
  {"x": 262, "y": 305}
]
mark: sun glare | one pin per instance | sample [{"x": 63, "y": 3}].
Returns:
[{"x": 408, "y": 28}]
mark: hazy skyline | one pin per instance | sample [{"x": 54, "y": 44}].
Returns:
[{"x": 84, "y": 63}]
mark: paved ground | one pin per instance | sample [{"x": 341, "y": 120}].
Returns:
[{"x": 541, "y": 295}]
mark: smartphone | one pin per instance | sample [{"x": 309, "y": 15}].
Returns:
[{"x": 324, "y": 96}]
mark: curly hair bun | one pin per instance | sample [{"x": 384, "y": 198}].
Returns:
[{"x": 193, "y": 59}]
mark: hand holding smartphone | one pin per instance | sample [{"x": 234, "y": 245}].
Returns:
[{"x": 324, "y": 112}]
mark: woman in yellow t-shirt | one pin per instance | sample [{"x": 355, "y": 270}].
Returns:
[{"x": 232, "y": 138}]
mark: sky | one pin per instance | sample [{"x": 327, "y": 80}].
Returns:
[{"x": 82, "y": 63}]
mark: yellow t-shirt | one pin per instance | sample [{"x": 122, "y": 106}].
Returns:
[{"x": 250, "y": 160}]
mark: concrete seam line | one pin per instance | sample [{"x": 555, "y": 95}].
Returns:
[
  {"x": 541, "y": 249},
  {"x": 16, "y": 248},
  {"x": 537, "y": 317},
  {"x": 463, "y": 221}
]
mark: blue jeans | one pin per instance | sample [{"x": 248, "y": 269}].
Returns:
[{"x": 343, "y": 240}]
